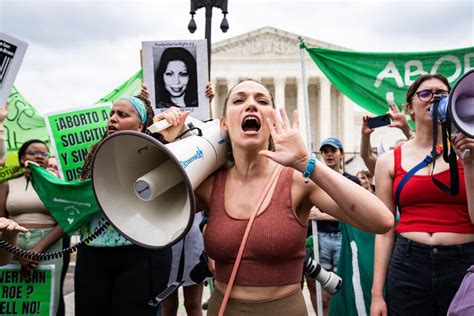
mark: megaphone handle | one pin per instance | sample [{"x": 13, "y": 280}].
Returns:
[{"x": 159, "y": 126}]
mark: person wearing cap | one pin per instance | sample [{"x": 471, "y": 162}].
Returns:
[{"x": 329, "y": 235}]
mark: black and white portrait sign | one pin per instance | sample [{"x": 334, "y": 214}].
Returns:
[
  {"x": 176, "y": 73},
  {"x": 12, "y": 51}
]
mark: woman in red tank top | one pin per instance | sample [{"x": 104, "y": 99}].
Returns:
[
  {"x": 421, "y": 261},
  {"x": 251, "y": 122}
]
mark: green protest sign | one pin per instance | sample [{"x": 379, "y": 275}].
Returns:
[
  {"x": 73, "y": 132},
  {"x": 20, "y": 296},
  {"x": 373, "y": 79},
  {"x": 11, "y": 168}
]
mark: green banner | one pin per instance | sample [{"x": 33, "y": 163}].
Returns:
[
  {"x": 356, "y": 265},
  {"x": 71, "y": 203},
  {"x": 73, "y": 132},
  {"x": 19, "y": 296},
  {"x": 373, "y": 79}
]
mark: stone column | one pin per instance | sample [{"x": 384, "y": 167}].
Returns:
[
  {"x": 325, "y": 108},
  {"x": 300, "y": 106},
  {"x": 279, "y": 83},
  {"x": 231, "y": 82},
  {"x": 349, "y": 131}
]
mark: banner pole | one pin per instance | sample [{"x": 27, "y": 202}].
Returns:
[
  {"x": 314, "y": 225},
  {"x": 305, "y": 95}
]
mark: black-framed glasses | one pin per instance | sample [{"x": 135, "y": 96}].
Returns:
[
  {"x": 38, "y": 152},
  {"x": 427, "y": 95}
]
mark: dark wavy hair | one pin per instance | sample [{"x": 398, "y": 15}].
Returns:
[
  {"x": 86, "y": 168},
  {"x": 24, "y": 147},
  {"x": 171, "y": 54}
]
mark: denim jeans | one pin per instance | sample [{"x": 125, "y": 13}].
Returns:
[
  {"x": 330, "y": 249},
  {"x": 422, "y": 279}
]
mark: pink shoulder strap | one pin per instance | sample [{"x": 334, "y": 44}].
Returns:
[{"x": 258, "y": 206}]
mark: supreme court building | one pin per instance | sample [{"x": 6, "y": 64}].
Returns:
[{"x": 272, "y": 56}]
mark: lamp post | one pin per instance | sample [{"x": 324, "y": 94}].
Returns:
[{"x": 208, "y": 4}]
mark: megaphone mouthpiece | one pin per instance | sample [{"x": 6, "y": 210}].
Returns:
[{"x": 152, "y": 184}]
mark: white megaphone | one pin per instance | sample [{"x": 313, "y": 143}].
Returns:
[
  {"x": 461, "y": 104},
  {"x": 457, "y": 110},
  {"x": 146, "y": 189}
]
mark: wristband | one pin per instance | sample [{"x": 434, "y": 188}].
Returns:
[{"x": 309, "y": 167}]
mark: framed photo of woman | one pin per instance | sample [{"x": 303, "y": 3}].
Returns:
[{"x": 176, "y": 73}]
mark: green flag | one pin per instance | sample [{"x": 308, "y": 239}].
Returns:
[
  {"x": 23, "y": 122},
  {"x": 130, "y": 87},
  {"x": 372, "y": 80},
  {"x": 71, "y": 204},
  {"x": 356, "y": 265}
]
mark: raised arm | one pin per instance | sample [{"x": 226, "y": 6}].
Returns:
[
  {"x": 383, "y": 243},
  {"x": 3, "y": 145},
  {"x": 366, "y": 153},
  {"x": 355, "y": 205}
]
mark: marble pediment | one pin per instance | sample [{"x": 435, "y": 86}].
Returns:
[{"x": 267, "y": 41}]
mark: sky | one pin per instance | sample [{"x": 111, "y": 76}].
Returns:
[{"x": 79, "y": 51}]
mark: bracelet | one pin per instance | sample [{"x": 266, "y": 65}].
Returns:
[{"x": 309, "y": 167}]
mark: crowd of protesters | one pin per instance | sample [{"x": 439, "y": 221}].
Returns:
[{"x": 423, "y": 237}]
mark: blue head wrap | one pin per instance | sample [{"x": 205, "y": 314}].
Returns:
[{"x": 139, "y": 107}]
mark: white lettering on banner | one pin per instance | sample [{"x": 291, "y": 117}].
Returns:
[
  {"x": 418, "y": 65},
  {"x": 390, "y": 71},
  {"x": 452, "y": 59},
  {"x": 414, "y": 68}
]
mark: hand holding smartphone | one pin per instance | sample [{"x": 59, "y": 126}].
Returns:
[{"x": 378, "y": 121}]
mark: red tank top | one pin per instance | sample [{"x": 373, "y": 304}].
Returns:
[
  {"x": 425, "y": 208},
  {"x": 275, "y": 247}
]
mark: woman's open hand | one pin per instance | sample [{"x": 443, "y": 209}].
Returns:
[{"x": 290, "y": 150}]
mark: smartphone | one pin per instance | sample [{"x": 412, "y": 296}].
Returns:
[{"x": 378, "y": 121}]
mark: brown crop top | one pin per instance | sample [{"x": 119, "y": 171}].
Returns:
[
  {"x": 275, "y": 247},
  {"x": 25, "y": 207}
]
